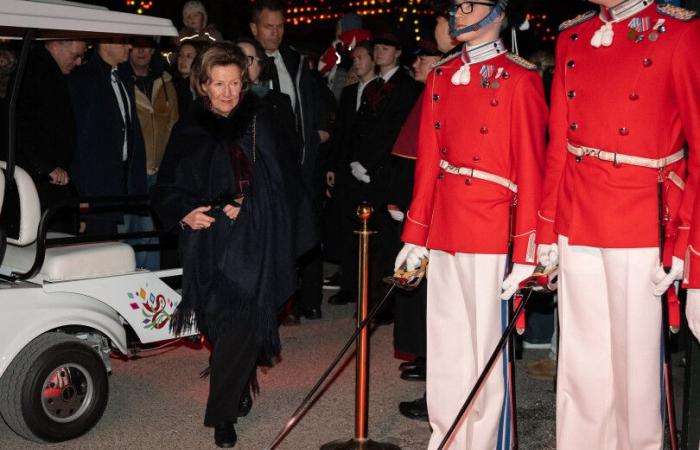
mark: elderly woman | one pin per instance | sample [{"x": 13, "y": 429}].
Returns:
[{"x": 229, "y": 182}]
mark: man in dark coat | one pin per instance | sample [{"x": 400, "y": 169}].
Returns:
[
  {"x": 46, "y": 134},
  {"x": 110, "y": 157},
  {"x": 365, "y": 174},
  {"x": 292, "y": 76}
]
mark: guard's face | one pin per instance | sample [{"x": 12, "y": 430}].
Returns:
[
  {"x": 475, "y": 12},
  {"x": 442, "y": 34},
  {"x": 185, "y": 57},
  {"x": 362, "y": 62},
  {"x": 195, "y": 21},
  {"x": 606, "y": 3},
  {"x": 386, "y": 55},
  {"x": 269, "y": 29},
  {"x": 224, "y": 88}
]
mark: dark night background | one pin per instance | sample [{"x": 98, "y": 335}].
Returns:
[{"x": 232, "y": 16}]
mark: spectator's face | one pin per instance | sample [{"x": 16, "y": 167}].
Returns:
[
  {"x": 423, "y": 65},
  {"x": 68, "y": 54},
  {"x": 114, "y": 53},
  {"x": 269, "y": 29},
  {"x": 224, "y": 88},
  {"x": 185, "y": 57},
  {"x": 195, "y": 21},
  {"x": 253, "y": 61},
  {"x": 386, "y": 55},
  {"x": 140, "y": 57},
  {"x": 362, "y": 62},
  {"x": 442, "y": 34}
]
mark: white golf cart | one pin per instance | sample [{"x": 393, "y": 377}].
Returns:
[{"x": 65, "y": 306}]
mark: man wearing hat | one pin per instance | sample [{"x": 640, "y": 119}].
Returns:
[
  {"x": 477, "y": 188},
  {"x": 625, "y": 134},
  {"x": 384, "y": 106}
]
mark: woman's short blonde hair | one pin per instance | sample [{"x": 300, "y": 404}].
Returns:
[{"x": 218, "y": 54}]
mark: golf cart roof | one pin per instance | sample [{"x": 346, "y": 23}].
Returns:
[{"x": 55, "y": 19}]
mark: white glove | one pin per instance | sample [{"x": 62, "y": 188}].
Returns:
[
  {"x": 548, "y": 255},
  {"x": 663, "y": 280},
  {"x": 411, "y": 255},
  {"x": 396, "y": 214},
  {"x": 518, "y": 274},
  {"x": 692, "y": 311},
  {"x": 359, "y": 172}
]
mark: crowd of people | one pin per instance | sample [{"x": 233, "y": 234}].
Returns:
[{"x": 271, "y": 150}]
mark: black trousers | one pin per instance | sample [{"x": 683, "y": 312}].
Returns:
[{"x": 232, "y": 362}]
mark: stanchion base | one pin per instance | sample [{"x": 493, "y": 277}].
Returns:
[{"x": 354, "y": 444}]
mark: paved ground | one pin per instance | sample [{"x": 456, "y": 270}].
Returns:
[{"x": 157, "y": 401}]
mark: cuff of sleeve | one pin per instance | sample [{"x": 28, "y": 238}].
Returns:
[
  {"x": 545, "y": 230},
  {"x": 414, "y": 231},
  {"x": 681, "y": 244},
  {"x": 524, "y": 248},
  {"x": 691, "y": 269}
]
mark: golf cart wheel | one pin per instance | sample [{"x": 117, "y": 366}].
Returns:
[{"x": 54, "y": 390}]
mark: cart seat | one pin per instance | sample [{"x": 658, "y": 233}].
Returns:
[{"x": 70, "y": 262}]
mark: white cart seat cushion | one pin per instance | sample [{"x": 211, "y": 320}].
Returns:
[
  {"x": 29, "y": 208},
  {"x": 74, "y": 262}
]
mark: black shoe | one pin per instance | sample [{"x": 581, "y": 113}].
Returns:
[
  {"x": 416, "y": 410},
  {"x": 310, "y": 313},
  {"x": 418, "y": 362},
  {"x": 225, "y": 435},
  {"x": 342, "y": 298},
  {"x": 245, "y": 404},
  {"x": 332, "y": 282},
  {"x": 417, "y": 374}
]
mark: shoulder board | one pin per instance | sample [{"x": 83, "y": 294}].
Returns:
[
  {"x": 447, "y": 59},
  {"x": 578, "y": 19},
  {"x": 676, "y": 12},
  {"x": 522, "y": 62}
]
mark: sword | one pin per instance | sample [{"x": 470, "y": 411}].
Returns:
[
  {"x": 403, "y": 279},
  {"x": 537, "y": 282}
]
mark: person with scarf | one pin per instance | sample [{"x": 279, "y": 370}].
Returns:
[{"x": 230, "y": 184}]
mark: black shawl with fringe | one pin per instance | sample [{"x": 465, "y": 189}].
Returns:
[{"x": 241, "y": 270}]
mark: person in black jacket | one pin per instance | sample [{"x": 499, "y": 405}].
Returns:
[
  {"x": 227, "y": 179},
  {"x": 46, "y": 133},
  {"x": 290, "y": 74},
  {"x": 110, "y": 158}
]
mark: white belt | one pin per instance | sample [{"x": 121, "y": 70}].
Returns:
[
  {"x": 619, "y": 158},
  {"x": 479, "y": 175}
]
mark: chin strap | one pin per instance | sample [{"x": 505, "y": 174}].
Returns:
[{"x": 497, "y": 10}]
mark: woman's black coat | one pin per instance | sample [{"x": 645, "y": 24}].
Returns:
[{"x": 241, "y": 270}]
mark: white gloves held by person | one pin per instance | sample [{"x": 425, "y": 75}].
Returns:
[
  {"x": 692, "y": 311},
  {"x": 663, "y": 280},
  {"x": 411, "y": 255},
  {"x": 359, "y": 172},
  {"x": 518, "y": 274}
]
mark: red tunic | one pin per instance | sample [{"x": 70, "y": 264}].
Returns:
[
  {"x": 635, "y": 97},
  {"x": 497, "y": 130}
]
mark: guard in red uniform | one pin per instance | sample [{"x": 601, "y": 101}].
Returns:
[
  {"x": 625, "y": 116},
  {"x": 477, "y": 186}
]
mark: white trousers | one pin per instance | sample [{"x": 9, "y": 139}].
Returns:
[
  {"x": 465, "y": 319},
  {"x": 609, "y": 385}
]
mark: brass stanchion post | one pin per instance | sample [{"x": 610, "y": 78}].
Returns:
[{"x": 360, "y": 441}]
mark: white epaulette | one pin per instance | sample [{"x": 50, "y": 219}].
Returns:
[
  {"x": 676, "y": 12},
  {"x": 522, "y": 62},
  {"x": 577, "y": 20},
  {"x": 447, "y": 59}
]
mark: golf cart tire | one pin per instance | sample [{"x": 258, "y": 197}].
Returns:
[{"x": 26, "y": 386}]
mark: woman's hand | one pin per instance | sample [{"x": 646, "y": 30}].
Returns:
[
  {"x": 197, "y": 219},
  {"x": 232, "y": 211}
]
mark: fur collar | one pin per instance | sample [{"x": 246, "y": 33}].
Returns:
[{"x": 230, "y": 128}]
